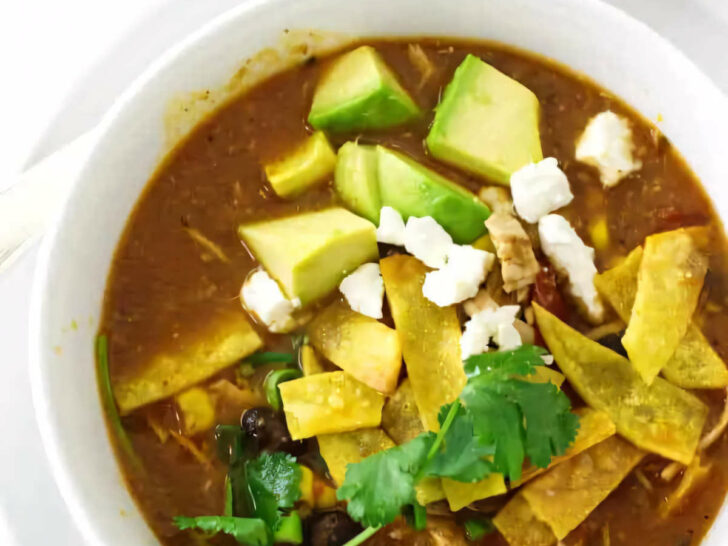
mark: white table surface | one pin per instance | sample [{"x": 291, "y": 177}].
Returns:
[{"x": 62, "y": 65}]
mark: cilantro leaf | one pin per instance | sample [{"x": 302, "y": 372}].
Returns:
[
  {"x": 502, "y": 365},
  {"x": 519, "y": 418},
  {"x": 380, "y": 485},
  {"x": 461, "y": 457},
  {"x": 274, "y": 482},
  {"x": 251, "y": 531}
]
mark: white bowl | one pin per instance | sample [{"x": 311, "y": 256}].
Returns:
[{"x": 587, "y": 35}]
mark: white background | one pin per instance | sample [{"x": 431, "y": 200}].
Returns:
[{"x": 61, "y": 65}]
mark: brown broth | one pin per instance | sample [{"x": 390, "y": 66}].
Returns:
[{"x": 164, "y": 287}]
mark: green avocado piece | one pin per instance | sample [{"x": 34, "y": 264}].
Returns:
[
  {"x": 356, "y": 179},
  {"x": 310, "y": 253},
  {"x": 415, "y": 190},
  {"x": 486, "y": 123},
  {"x": 309, "y": 164},
  {"x": 359, "y": 92}
]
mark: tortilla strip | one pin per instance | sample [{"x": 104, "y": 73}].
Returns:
[
  {"x": 168, "y": 373},
  {"x": 400, "y": 418},
  {"x": 520, "y": 527},
  {"x": 594, "y": 427},
  {"x": 567, "y": 494},
  {"x": 461, "y": 494},
  {"x": 659, "y": 417},
  {"x": 430, "y": 338},
  {"x": 342, "y": 449},
  {"x": 669, "y": 282},
  {"x": 695, "y": 364}
]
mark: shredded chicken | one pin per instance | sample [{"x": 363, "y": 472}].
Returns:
[
  {"x": 513, "y": 248},
  {"x": 191, "y": 447},
  {"x": 498, "y": 199},
  {"x": 482, "y": 301},
  {"x": 207, "y": 244},
  {"x": 421, "y": 62},
  {"x": 644, "y": 480}
]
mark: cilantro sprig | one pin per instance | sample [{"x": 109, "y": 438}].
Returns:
[
  {"x": 498, "y": 420},
  {"x": 267, "y": 487}
]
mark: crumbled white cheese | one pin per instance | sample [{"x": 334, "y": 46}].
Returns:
[
  {"x": 391, "y": 227},
  {"x": 606, "y": 143},
  {"x": 427, "y": 241},
  {"x": 572, "y": 258},
  {"x": 539, "y": 188},
  {"x": 547, "y": 359},
  {"x": 486, "y": 325},
  {"x": 364, "y": 290},
  {"x": 262, "y": 296},
  {"x": 460, "y": 278},
  {"x": 507, "y": 337}
]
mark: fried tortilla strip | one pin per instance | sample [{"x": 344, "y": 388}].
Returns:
[
  {"x": 659, "y": 417},
  {"x": 401, "y": 421},
  {"x": 520, "y": 527},
  {"x": 430, "y": 337},
  {"x": 594, "y": 427},
  {"x": 460, "y": 494},
  {"x": 340, "y": 450},
  {"x": 168, "y": 373},
  {"x": 328, "y": 403},
  {"x": 400, "y": 417},
  {"x": 567, "y": 494},
  {"x": 669, "y": 282},
  {"x": 695, "y": 364}
]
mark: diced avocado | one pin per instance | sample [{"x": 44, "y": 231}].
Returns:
[
  {"x": 356, "y": 179},
  {"x": 290, "y": 530},
  {"x": 361, "y": 346},
  {"x": 486, "y": 123},
  {"x": 415, "y": 190},
  {"x": 327, "y": 403},
  {"x": 310, "y": 253},
  {"x": 358, "y": 92},
  {"x": 309, "y": 164}
]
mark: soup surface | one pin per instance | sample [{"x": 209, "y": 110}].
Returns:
[{"x": 173, "y": 299}]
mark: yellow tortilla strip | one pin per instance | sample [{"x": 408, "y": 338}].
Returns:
[
  {"x": 669, "y": 282},
  {"x": 544, "y": 374},
  {"x": 594, "y": 426},
  {"x": 460, "y": 494},
  {"x": 226, "y": 343},
  {"x": 429, "y": 490},
  {"x": 328, "y": 403},
  {"x": 310, "y": 363},
  {"x": 339, "y": 450},
  {"x": 567, "y": 494},
  {"x": 520, "y": 527},
  {"x": 430, "y": 337},
  {"x": 695, "y": 364},
  {"x": 659, "y": 417},
  {"x": 400, "y": 417}
]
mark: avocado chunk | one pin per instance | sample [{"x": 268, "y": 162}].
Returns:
[
  {"x": 486, "y": 123},
  {"x": 310, "y": 253},
  {"x": 414, "y": 190},
  {"x": 309, "y": 164},
  {"x": 356, "y": 179},
  {"x": 358, "y": 92}
]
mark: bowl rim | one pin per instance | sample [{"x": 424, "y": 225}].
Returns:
[{"x": 63, "y": 476}]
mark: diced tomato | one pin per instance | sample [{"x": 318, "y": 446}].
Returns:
[
  {"x": 671, "y": 217},
  {"x": 547, "y": 294}
]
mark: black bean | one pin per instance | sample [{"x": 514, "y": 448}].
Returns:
[
  {"x": 330, "y": 528},
  {"x": 268, "y": 429},
  {"x": 614, "y": 342}
]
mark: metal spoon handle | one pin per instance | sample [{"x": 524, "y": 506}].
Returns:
[{"x": 28, "y": 205}]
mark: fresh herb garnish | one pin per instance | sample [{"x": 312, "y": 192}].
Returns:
[
  {"x": 475, "y": 529},
  {"x": 256, "y": 359},
  {"x": 266, "y": 487},
  {"x": 251, "y": 531},
  {"x": 274, "y": 481},
  {"x": 107, "y": 399},
  {"x": 496, "y": 422}
]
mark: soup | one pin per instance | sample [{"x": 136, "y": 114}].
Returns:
[{"x": 357, "y": 303}]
